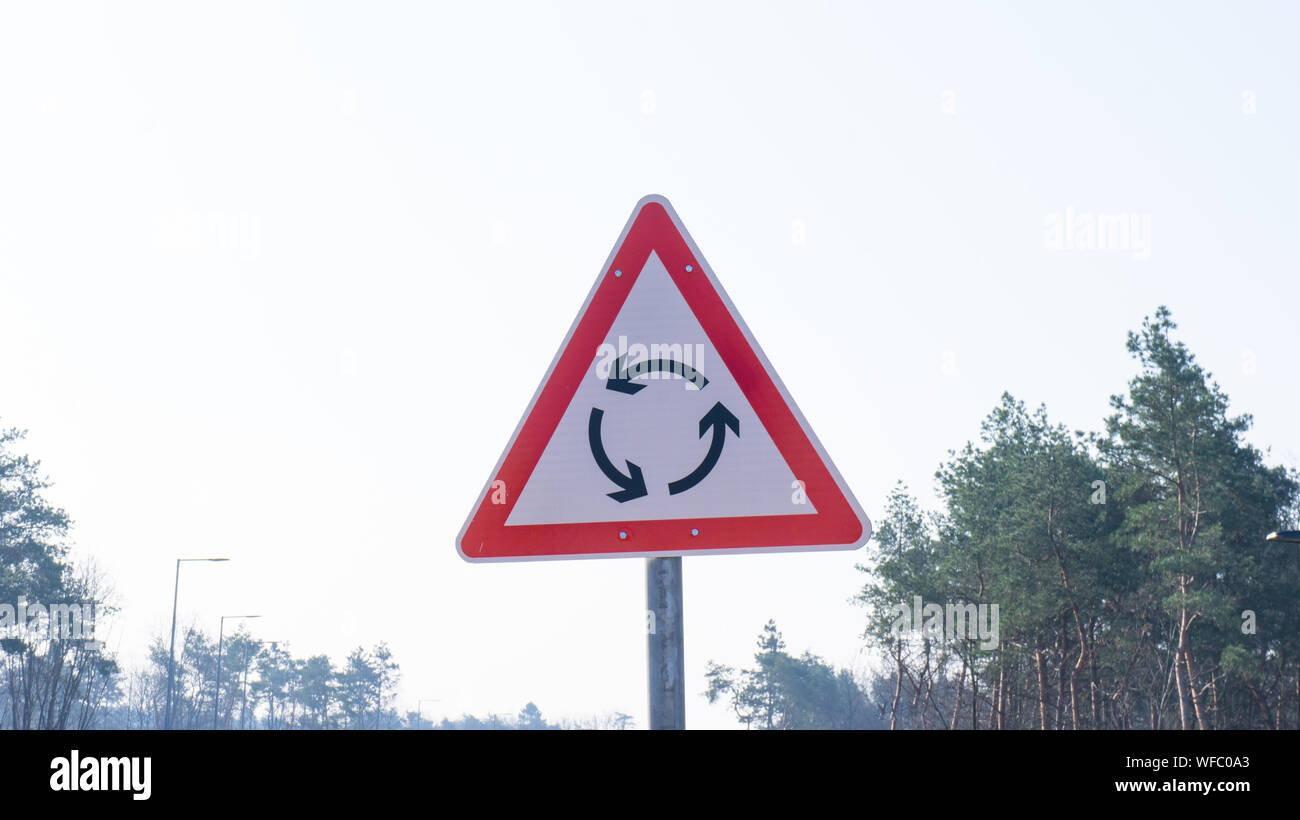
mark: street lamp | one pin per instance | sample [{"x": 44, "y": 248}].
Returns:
[
  {"x": 1285, "y": 536},
  {"x": 221, "y": 631},
  {"x": 171, "y": 657}
]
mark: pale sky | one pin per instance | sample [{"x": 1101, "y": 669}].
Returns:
[{"x": 278, "y": 280}]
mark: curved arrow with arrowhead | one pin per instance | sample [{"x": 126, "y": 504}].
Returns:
[
  {"x": 719, "y": 418},
  {"x": 633, "y": 484},
  {"x": 620, "y": 378}
]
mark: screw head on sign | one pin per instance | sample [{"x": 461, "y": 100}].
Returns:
[
  {"x": 618, "y": 273},
  {"x": 622, "y": 535},
  {"x": 689, "y": 268},
  {"x": 694, "y": 531}
]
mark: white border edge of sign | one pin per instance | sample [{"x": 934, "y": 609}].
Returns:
[{"x": 762, "y": 358}]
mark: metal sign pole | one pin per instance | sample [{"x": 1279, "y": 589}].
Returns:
[{"x": 667, "y": 659}]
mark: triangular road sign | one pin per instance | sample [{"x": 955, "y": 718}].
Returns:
[{"x": 660, "y": 429}]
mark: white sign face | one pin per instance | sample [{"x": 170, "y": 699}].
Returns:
[
  {"x": 660, "y": 429},
  {"x": 657, "y": 429}
]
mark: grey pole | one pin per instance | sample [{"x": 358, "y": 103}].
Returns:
[
  {"x": 216, "y": 692},
  {"x": 171, "y": 654},
  {"x": 667, "y": 657}
]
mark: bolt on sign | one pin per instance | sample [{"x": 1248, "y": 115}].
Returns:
[{"x": 660, "y": 428}]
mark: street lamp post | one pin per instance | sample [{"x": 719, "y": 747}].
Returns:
[
  {"x": 216, "y": 691},
  {"x": 171, "y": 657}
]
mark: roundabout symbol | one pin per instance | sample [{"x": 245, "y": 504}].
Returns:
[
  {"x": 632, "y": 483},
  {"x": 673, "y": 494}
]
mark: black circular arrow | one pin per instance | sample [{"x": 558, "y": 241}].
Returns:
[
  {"x": 633, "y": 485},
  {"x": 719, "y": 418},
  {"x": 620, "y": 377}
]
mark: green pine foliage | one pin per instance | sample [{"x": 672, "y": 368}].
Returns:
[{"x": 1133, "y": 583}]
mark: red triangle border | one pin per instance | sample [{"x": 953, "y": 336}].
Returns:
[{"x": 838, "y": 523}]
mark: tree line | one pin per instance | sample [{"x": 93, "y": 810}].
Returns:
[
  {"x": 52, "y": 678},
  {"x": 1120, "y": 578},
  {"x": 261, "y": 685},
  {"x": 55, "y": 675},
  {"x": 1125, "y": 571}
]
